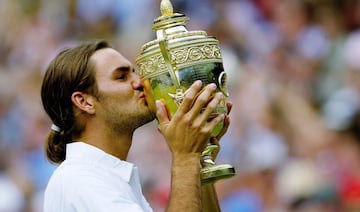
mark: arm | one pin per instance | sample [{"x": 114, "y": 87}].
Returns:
[
  {"x": 209, "y": 199},
  {"x": 185, "y": 192},
  {"x": 187, "y": 134}
]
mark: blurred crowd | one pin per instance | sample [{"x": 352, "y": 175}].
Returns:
[{"x": 294, "y": 79}]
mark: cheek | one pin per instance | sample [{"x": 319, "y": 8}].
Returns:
[
  {"x": 112, "y": 105},
  {"x": 113, "y": 98},
  {"x": 117, "y": 90}
]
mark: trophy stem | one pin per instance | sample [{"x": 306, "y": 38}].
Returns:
[{"x": 210, "y": 172}]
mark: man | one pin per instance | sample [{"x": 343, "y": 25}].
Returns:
[{"x": 96, "y": 102}]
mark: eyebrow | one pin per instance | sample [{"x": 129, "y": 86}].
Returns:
[{"x": 123, "y": 69}]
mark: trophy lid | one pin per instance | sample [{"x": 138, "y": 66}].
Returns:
[{"x": 168, "y": 18}]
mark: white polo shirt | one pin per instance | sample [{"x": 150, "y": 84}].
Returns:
[{"x": 92, "y": 180}]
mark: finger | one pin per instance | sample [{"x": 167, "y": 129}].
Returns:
[
  {"x": 226, "y": 121},
  {"x": 162, "y": 113},
  {"x": 212, "y": 105},
  {"x": 215, "y": 152},
  {"x": 214, "y": 141},
  {"x": 210, "y": 125},
  {"x": 229, "y": 106},
  {"x": 225, "y": 127},
  {"x": 203, "y": 99},
  {"x": 189, "y": 97}
]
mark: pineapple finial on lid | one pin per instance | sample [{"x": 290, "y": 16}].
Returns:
[{"x": 166, "y": 8}]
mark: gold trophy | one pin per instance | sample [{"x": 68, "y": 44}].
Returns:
[{"x": 172, "y": 62}]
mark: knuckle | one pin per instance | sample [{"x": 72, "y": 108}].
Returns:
[
  {"x": 202, "y": 99},
  {"x": 187, "y": 120},
  {"x": 187, "y": 98},
  {"x": 196, "y": 127},
  {"x": 212, "y": 106},
  {"x": 204, "y": 130}
]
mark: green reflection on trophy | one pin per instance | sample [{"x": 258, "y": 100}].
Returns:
[{"x": 171, "y": 63}]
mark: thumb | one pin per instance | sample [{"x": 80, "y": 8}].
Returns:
[{"x": 162, "y": 112}]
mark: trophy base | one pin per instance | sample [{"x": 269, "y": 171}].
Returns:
[{"x": 216, "y": 172}]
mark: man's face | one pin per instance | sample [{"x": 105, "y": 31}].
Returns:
[{"x": 121, "y": 101}]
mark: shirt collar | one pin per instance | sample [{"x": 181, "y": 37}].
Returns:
[{"x": 80, "y": 151}]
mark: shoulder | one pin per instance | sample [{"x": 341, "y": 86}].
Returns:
[
  {"x": 82, "y": 186},
  {"x": 72, "y": 177}
]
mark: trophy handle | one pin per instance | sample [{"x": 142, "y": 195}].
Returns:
[{"x": 206, "y": 157}]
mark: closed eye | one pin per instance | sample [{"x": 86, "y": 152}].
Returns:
[
  {"x": 122, "y": 77},
  {"x": 122, "y": 73}
]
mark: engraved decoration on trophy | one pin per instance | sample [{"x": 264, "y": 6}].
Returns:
[{"x": 172, "y": 62}]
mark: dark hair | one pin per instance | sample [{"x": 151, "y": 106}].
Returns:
[{"x": 71, "y": 70}]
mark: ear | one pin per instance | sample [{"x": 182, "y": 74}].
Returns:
[{"x": 84, "y": 102}]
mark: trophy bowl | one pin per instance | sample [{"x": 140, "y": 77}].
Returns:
[{"x": 170, "y": 64}]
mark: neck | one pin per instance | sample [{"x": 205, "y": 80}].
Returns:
[{"x": 116, "y": 144}]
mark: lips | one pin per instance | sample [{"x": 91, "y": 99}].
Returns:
[{"x": 142, "y": 96}]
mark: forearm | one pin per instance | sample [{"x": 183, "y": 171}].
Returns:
[
  {"x": 209, "y": 198},
  {"x": 185, "y": 183}
]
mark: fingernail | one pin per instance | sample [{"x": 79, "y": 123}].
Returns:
[
  {"x": 158, "y": 104},
  {"x": 222, "y": 117},
  {"x": 198, "y": 82},
  {"x": 212, "y": 85}
]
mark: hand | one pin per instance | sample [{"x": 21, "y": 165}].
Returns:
[
  {"x": 215, "y": 140},
  {"x": 189, "y": 130}
]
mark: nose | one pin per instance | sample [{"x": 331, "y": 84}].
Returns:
[{"x": 137, "y": 83}]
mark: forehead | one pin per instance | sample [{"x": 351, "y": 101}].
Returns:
[{"x": 107, "y": 60}]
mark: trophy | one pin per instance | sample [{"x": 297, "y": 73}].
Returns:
[{"x": 171, "y": 63}]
